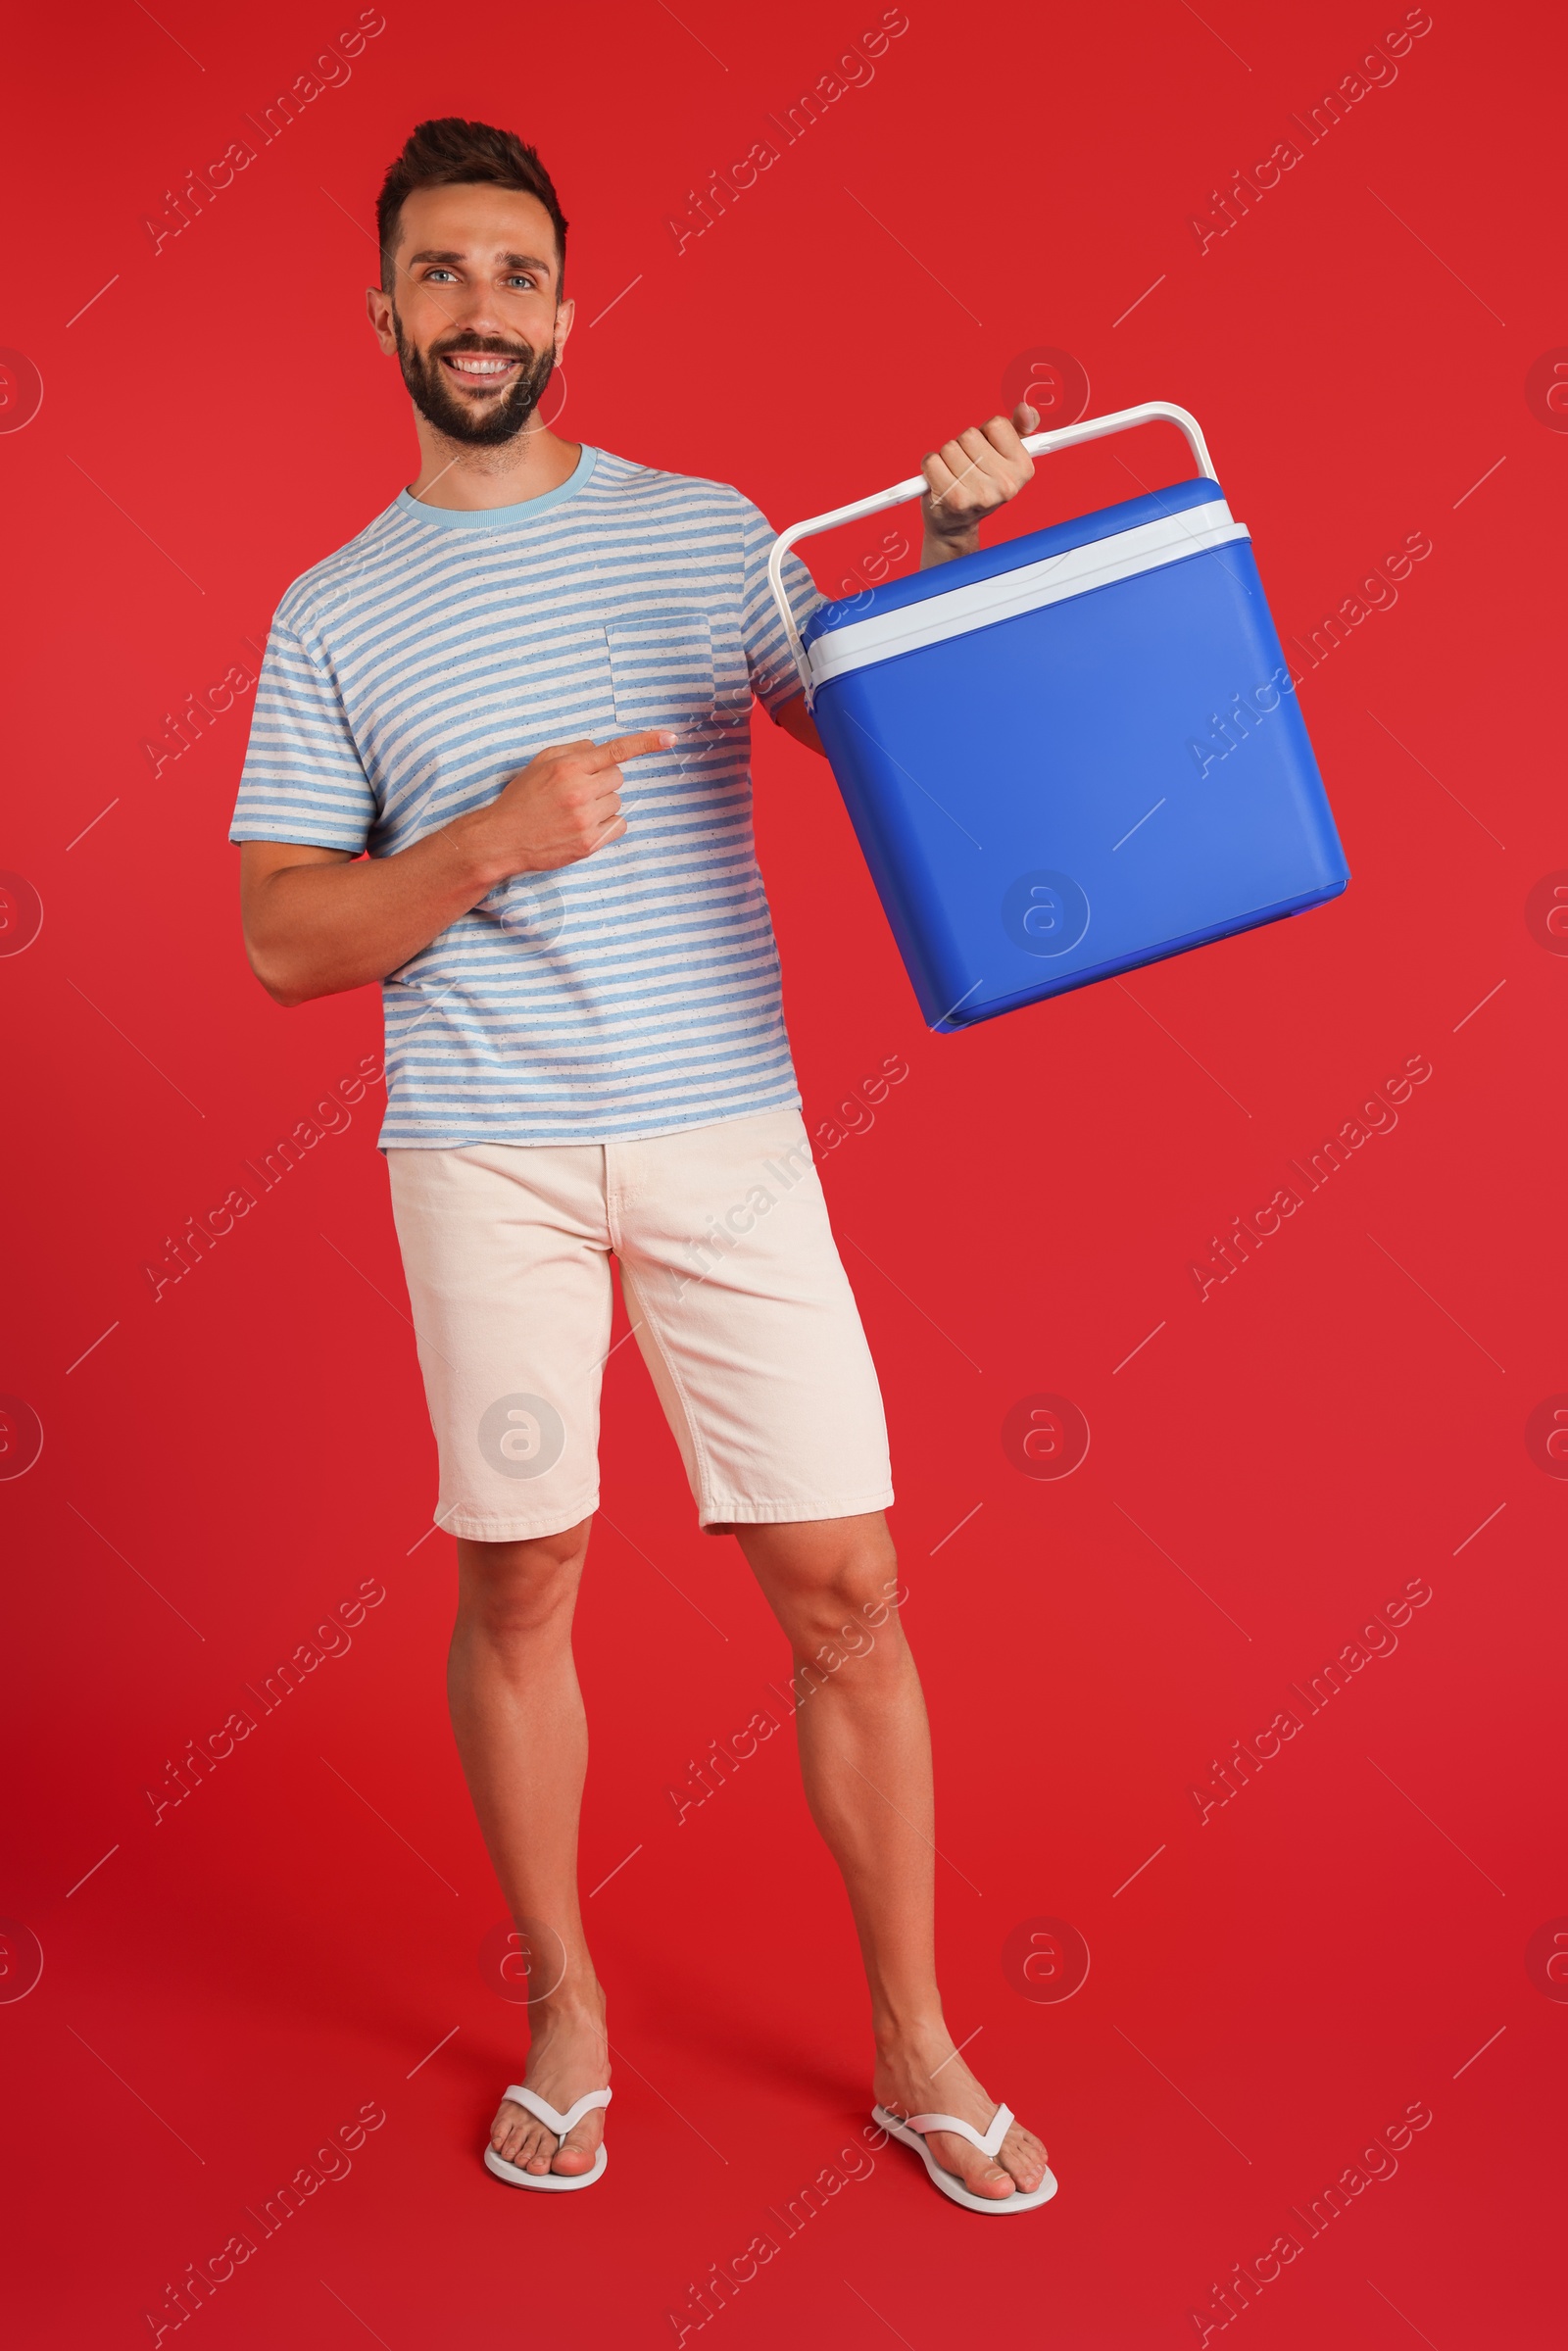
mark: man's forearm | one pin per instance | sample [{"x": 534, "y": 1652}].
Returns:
[
  {"x": 318, "y": 921},
  {"x": 317, "y": 928},
  {"x": 940, "y": 547}
]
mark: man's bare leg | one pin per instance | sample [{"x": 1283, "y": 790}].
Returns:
[
  {"x": 865, "y": 1757},
  {"x": 519, "y": 1717}
]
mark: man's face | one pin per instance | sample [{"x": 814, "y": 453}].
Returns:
[{"x": 474, "y": 316}]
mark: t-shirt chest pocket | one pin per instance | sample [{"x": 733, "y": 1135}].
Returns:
[{"x": 676, "y": 669}]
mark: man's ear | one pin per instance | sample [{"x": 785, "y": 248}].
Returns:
[
  {"x": 378, "y": 310},
  {"x": 566, "y": 317}
]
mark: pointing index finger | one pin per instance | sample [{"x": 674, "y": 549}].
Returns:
[{"x": 621, "y": 747}]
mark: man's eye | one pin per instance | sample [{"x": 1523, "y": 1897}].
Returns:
[{"x": 432, "y": 274}]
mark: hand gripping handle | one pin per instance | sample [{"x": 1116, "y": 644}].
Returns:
[{"x": 1039, "y": 444}]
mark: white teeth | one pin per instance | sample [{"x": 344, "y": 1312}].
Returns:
[{"x": 482, "y": 367}]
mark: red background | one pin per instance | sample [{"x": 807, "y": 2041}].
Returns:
[{"x": 1276, "y": 1462}]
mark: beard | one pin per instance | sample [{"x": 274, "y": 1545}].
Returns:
[{"x": 431, "y": 393}]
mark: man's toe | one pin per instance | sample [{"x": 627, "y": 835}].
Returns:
[
  {"x": 1024, "y": 2158},
  {"x": 977, "y": 2171},
  {"x": 992, "y": 2179},
  {"x": 518, "y": 2139},
  {"x": 574, "y": 2154}
]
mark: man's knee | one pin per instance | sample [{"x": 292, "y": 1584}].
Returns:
[
  {"x": 843, "y": 1584},
  {"x": 510, "y": 1590}
]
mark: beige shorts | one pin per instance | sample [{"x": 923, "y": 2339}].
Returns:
[{"x": 735, "y": 1292}]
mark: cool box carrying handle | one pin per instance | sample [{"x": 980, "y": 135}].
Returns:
[{"x": 1092, "y": 428}]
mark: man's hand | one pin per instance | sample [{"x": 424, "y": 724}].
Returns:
[
  {"x": 970, "y": 478},
  {"x": 966, "y": 479},
  {"x": 319, "y": 920},
  {"x": 561, "y": 808}
]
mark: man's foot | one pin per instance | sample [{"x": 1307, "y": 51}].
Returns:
[
  {"x": 569, "y": 2053},
  {"x": 919, "y": 2072}
]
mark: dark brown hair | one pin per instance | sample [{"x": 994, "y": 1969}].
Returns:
[{"x": 449, "y": 151}]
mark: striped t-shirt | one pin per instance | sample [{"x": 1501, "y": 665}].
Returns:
[{"x": 411, "y": 673}]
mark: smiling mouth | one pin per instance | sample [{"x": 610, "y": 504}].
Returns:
[{"x": 481, "y": 370}]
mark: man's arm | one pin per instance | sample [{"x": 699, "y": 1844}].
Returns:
[
  {"x": 318, "y": 921},
  {"x": 970, "y": 478},
  {"x": 966, "y": 479},
  {"x": 797, "y": 721}
]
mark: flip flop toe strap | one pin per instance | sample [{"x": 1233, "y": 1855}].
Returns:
[
  {"x": 987, "y": 2144},
  {"x": 542, "y": 2110}
]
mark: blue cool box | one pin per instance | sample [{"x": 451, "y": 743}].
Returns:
[{"x": 1074, "y": 753}]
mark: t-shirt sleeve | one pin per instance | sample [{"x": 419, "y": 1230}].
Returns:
[
  {"x": 302, "y": 778},
  {"x": 776, "y": 680}
]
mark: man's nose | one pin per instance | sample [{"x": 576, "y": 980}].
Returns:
[{"x": 477, "y": 309}]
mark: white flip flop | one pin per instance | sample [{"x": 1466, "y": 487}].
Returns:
[
  {"x": 543, "y": 2112},
  {"x": 911, "y": 2132}
]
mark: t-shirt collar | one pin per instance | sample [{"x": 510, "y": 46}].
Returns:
[{"x": 517, "y": 516}]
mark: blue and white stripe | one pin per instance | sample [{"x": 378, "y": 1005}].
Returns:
[{"x": 408, "y": 675}]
